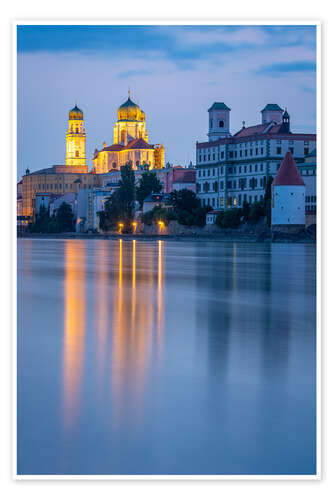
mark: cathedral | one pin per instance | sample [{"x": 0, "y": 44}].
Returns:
[{"x": 130, "y": 143}]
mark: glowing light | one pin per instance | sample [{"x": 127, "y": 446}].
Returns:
[
  {"x": 161, "y": 225},
  {"x": 134, "y": 224},
  {"x": 74, "y": 328},
  {"x": 120, "y": 227}
]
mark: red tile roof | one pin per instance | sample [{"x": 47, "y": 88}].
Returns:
[
  {"x": 255, "y": 129},
  {"x": 288, "y": 173},
  {"x": 138, "y": 144}
]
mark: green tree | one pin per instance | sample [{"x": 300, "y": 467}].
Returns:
[
  {"x": 42, "y": 221},
  {"x": 149, "y": 183},
  {"x": 230, "y": 219},
  {"x": 185, "y": 199},
  {"x": 257, "y": 210},
  {"x": 246, "y": 210},
  {"x": 65, "y": 218},
  {"x": 268, "y": 200},
  {"x": 119, "y": 207}
]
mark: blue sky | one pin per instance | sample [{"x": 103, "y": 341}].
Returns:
[{"x": 175, "y": 73}]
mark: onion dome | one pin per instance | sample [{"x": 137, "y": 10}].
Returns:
[
  {"x": 76, "y": 113},
  {"x": 129, "y": 111}
]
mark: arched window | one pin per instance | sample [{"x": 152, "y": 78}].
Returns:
[
  {"x": 77, "y": 154},
  {"x": 114, "y": 165},
  {"x": 77, "y": 130},
  {"x": 221, "y": 123},
  {"x": 122, "y": 136}
]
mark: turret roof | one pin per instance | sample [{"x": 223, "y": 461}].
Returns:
[
  {"x": 272, "y": 107},
  {"x": 288, "y": 173},
  {"x": 219, "y": 105}
]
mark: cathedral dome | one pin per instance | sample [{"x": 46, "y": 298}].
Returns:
[
  {"x": 76, "y": 113},
  {"x": 129, "y": 111}
]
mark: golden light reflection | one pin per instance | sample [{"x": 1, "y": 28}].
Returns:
[
  {"x": 160, "y": 305},
  {"x": 101, "y": 318},
  {"x": 136, "y": 307},
  {"x": 74, "y": 328}
]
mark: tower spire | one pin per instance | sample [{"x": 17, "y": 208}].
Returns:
[{"x": 129, "y": 93}]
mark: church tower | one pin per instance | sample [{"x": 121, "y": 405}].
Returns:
[
  {"x": 76, "y": 139},
  {"x": 219, "y": 121}
]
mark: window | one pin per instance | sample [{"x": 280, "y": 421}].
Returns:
[
  {"x": 306, "y": 151},
  {"x": 234, "y": 201},
  {"x": 240, "y": 170},
  {"x": 241, "y": 153},
  {"x": 200, "y": 158},
  {"x": 214, "y": 156},
  {"x": 221, "y": 184},
  {"x": 245, "y": 152},
  {"x": 77, "y": 152},
  {"x": 262, "y": 150},
  {"x": 291, "y": 150},
  {"x": 221, "y": 170},
  {"x": 208, "y": 157},
  {"x": 221, "y": 123},
  {"x": 211, "y": 123},
  {"x": 240, "y": 200},
  {"x": 251, "y": 152},
  {"x": 256, "y": 168},
  {"x": 222, "y": 154},
  {"x": 221, "y": 202},
  {"x": 256, "y": 151},
  {"x": 231, "y": 154},
  {"x": 278, "y": 150}
]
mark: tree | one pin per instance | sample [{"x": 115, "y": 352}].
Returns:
[
  {"x": 65, "y": 218},
  {"x": 149, "y": 183},
  {"x": 230, "y": 219},
  {"x": 246, "y": 210},
  {"x": 41, "y": 224},
  {"x": 119, "y": 207},
  {"x": 257, "y": 210},
  {"x": 268, "y": 199},
  {"x": 187, "y": 208}
]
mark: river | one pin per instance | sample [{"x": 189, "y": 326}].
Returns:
[{"x": 166, "y": 357}]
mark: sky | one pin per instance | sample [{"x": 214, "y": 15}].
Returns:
[{"x": 175, "y": 73}]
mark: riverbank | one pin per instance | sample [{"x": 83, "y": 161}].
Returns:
[{"x": 228, "y": 235}]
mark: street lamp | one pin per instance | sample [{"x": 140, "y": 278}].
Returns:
[
  {"x": 161, "y": 225},
  {"x": 120, "y": 226},
  {"x": 134, "y": 224}
]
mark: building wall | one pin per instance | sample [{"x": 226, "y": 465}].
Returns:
[
  {"x": 288, "y": 205},
  {"x": 234, "y": 170},
  {"x": 56, "y": 183}
]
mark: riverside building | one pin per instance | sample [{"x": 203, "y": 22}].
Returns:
[{"x": 235, "y": 168}]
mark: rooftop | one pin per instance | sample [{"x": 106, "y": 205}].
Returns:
[
  {"x": 219, "y": 105},
  {"x": 288, "y": 173}
]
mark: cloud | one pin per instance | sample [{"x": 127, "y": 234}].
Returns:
[
  {"x": 174, "y": 81},
  {"x": 287, "y": 67}
]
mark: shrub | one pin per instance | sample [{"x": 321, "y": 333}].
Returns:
[
  {"x": 257, "y": 210},
  {"x": 229, "y": 219}
]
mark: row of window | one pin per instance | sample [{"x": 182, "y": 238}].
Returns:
[
  {"x": 59, "y": 186},
  {"x": 311, "y": 199},
  {"x": 242, "y": 169},
  {"x": 243, "y": 183},
  {"x": 232, "y": 154},
  {"x": 232, "y": 201}
]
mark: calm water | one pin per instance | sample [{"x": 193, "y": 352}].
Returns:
[{"x": 165, "y": 357}]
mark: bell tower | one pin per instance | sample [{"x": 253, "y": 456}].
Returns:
[{"x": 76, "y": 139}]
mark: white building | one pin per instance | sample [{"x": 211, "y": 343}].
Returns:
[
  {"x": 235, "y": 168},
  {"x": 288, "y": 196},
  {"x": 89, "y": 203}
]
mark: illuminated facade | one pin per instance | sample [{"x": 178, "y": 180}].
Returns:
[
  {"x": 76, "y": 140},
  {"x": 61, "y": 179},
  {"x": 130, "y": 143}
]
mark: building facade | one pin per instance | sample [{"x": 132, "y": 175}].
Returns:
[
  {"x": 232, "y": 169},
  {"x": 130, "y": 143}
]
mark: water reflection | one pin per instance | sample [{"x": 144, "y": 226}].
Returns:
[
  {"x": 74, "y": 328},
  {"x": 173, "y": 358},
  {"x": 137, "y": 315}
]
